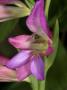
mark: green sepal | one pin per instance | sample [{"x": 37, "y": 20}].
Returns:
[{"x": 50, "y": 59}]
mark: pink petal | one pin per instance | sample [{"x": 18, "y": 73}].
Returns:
[
  {"x": 9, "y": 12},
  {"x": 3, "y": 60},
  {"x": 20, "y": 59},
  {"x": 21, "y": 41},
  {"x": 23, "y": 71},
  {"x": 37, "y": 22},
  {"x": 3, "y": 11},
  {"x": 49, "y": 51},
  {"x": 37, "y": 67},
  {"x": 7, "y": 74}
]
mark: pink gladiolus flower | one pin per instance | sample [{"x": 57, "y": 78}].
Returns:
[
  {"x": 25, "y": 59},
  {"x": 29, "y": 60}
]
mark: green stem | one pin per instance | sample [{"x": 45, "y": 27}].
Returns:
[
  {"x": 42, "y": 85},
  {"x": 34, "y": 83},
  {"x": 37, "y": 85}
]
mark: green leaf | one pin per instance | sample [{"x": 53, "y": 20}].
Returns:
[
  {"x": 57, "y": 74},
  {"x": 49, "y": 61},
  {"x": 47, "y": 7},
  {"x": 58, "y": 9}
]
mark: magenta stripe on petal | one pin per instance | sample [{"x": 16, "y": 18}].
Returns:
[
  {"x": 19, "y": 59},
  {"x": 37, "y": 67},
  {"x": 23, "y": 71}
]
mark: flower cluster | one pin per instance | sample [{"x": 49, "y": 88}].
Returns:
[{"x": 32, "y": 48}]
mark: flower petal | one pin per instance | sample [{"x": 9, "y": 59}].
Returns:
[
  {"x": 37, "y": 67},
  {"x": 37, "y": 22},
  {"x": 12, "y": 12},
  {"x": 21, "y": 41},
  {"x": 20, "y": 59},
  {"x": 3, "y": 60},
  {"x": 7, "y": 74},
  {"x": 3, "y": 12},
  {"x": 23, "y": 71},
  {"x": 49, "y": 51}
]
